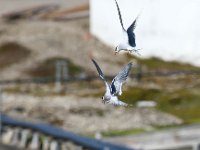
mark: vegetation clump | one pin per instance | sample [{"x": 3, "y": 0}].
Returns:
[
  {"x": 155, "y": 64},
  {"x": 11, "y": 52},
  {"x": 183, "y": 103},
  {"x": 47, "y": 68}
]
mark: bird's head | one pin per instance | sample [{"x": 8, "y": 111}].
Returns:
[{"x": 105, "y": 99}]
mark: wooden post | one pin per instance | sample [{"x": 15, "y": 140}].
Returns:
[
  {"x": 58, "y": 76},
  {"x": 65, "y": 70},
  {"x": 35, "y": 141},
  {"x": 54, "y": 145},
  {"x": 24, "y": 138},
  {"x": 65, "y": 73},
  {"x": 46, "y": 143},
  {"x": 15, "y": 139},
  {"x": 7, "y": 136}
]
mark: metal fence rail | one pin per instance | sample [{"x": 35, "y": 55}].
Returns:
[
  {"x": 45, "y": 80},
  {"x": 57, "y": 134}
]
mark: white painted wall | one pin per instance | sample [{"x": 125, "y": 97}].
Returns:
[{"x": 169, "y": 29}]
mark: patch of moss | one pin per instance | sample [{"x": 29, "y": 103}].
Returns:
[
  {"x": 155, "y": 63},
  {"x": 183, "y": 103},
  {"x": 48, "y": 68},
  {"x": 134, "y": 131},
  {"x": 11, "y": 53},
  {"x": 113, "y": 133},
  {"x": 133, "y": 95}
]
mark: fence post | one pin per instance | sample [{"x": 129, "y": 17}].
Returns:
[
  {"x": 46, "y": 143},
  {"x": 7, "y": 136},
  {"x": 58, "y": 76},
  {"x": 65, "y": 73},
  {"x": 65, "y": 70},
  {"x": 54, "y": 145},
  {"x": 15, "y": 138},
  {"x": 24, "y": 138}
]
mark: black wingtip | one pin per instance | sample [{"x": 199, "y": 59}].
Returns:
[
  {"x": 98, "y": 69},
  {"x": 116, "y": 3},
  {"x": 93, "y": 61},
  {"x": 119, "y": 14}
]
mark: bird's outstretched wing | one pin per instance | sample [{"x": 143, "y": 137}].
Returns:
[
  {"x": 120, "y": 16},
  {"x": 133, "y": 25},
  {"x": 131, "y": 34},
  {"x": 117, "y": 82},
  {"x": 101, "y": 75}
]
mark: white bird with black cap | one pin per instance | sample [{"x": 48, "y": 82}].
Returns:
[
  {"x": 128, "y": 42},
  {"x": 115, "y": 89}
]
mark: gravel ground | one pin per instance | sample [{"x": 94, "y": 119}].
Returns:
[{"x": 82, "y": 115}]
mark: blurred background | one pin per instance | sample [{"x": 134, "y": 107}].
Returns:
[{"x": 46, "y": 75}]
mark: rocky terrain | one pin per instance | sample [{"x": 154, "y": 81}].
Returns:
[
  {"x": 47, "y": 39},
  {"x": 83, "y": 115}
]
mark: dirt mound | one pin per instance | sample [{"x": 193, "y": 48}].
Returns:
[
  {"x": 48, "y": 39},
  {"x": 47, "y": 68},
  {"x": 11, "y": 52}
]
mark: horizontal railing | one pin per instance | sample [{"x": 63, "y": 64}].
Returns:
[
  {"x": 44, "y": 80},
  {"x": 46, "y": 137}
]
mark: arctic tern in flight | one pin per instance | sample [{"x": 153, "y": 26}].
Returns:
[
  {"x": 128, "y": 42},
  {"x": 110, "y": 96}
]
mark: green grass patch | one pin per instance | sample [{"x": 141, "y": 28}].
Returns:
[
  {"x": 113, "y": 133},
  {"x": 134, "y": 131},
  {"x": 155, "y": 63},
  {"x": 134, "y": 95},
  {"x": 183, "y": 103},
  {"x": 11, "y": 53},
  {"x": 48, "y": 68}
]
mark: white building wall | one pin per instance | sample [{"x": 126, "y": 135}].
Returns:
[{"x": 169, "y": 29}]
